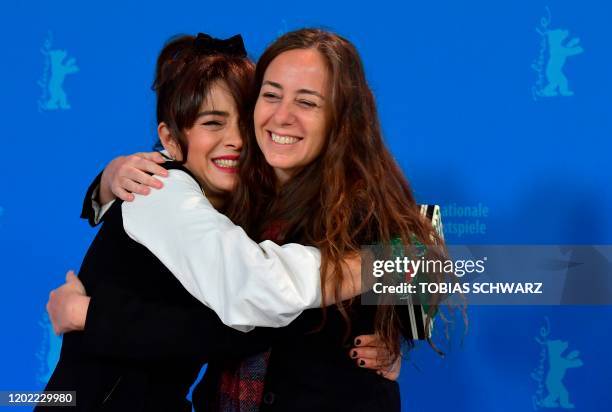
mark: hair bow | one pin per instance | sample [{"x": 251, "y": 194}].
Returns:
[{"x": 234, "y": 46}]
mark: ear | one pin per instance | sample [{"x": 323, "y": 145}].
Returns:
[{"x": 169, "y": 142}]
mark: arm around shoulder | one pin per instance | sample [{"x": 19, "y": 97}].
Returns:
[{"x": 247, "y": 284}]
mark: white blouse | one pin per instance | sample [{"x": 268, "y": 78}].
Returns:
[{"x": 245, "y": 283}]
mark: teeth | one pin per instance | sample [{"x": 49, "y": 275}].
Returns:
[
  {"x": 226, "y": 162},
  {"x": 284, "y": 139}
]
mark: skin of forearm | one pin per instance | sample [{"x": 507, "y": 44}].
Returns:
[
  {"x": 351, "y": 285},
  {"x": 105, "y": 194}
]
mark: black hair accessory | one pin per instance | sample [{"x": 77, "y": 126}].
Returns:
[{"x": 234, "y": 46}]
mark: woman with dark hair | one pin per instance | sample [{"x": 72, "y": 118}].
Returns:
[
  {"x": 315, "y": 170},
  {"x": 130, "y": 272}
]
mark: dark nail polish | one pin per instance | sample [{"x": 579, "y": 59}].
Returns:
[
  {"x": 354, "y": 354},
  {"x": 357, "y": 342},
  {"x": 361, "y": 362}
]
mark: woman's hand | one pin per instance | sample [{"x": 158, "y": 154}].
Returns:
[
  {"x": 126, "y": 175},
  {"x": 67, "y": 305},
  {"x": 370, "y": 352}
]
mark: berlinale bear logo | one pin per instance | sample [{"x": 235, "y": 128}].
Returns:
[
  {"x": 56, "y": 69},
  {"x": 556, "y": 395},
  {"x": 49, "y": 352},
  {"x": 553, "y": 41}
]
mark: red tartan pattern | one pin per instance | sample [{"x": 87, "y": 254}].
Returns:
[{"x": 242, "y": 384}]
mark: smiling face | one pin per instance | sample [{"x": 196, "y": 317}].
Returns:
[
  {"x": 213, "y": 143},
  {"x": 290, "y": 113}
]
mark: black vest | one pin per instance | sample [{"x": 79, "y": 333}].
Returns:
[{"x": 146, "y": 338}]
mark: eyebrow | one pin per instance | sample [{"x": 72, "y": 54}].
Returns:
[
  {"x": 300, "y": 91},
  {"x": 212, "y": 113}
]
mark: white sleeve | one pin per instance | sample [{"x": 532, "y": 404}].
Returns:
[
  {"x": 245, "y": 283},
  {"x": 98, "y": 209}
]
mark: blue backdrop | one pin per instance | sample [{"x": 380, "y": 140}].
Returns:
[{"x": 505, "y": 107}]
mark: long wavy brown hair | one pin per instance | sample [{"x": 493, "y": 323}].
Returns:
[{"x": 352, "y": 194}]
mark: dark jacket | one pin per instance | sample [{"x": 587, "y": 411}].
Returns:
[
  {"x": 313, "y": 371},
  {"x": 146, "y": 338},
  {"x": 307, "y": 371}
]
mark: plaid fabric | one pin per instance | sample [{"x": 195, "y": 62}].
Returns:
[{"x": 241, "y": 386}]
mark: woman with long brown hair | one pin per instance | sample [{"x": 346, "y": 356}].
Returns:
[
  {"x": 311, "y": 152},
  {"x": 140, "y": 337},
  {"x": 315, "y": 170}
]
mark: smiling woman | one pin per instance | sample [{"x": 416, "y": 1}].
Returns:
[
  {"x": 212, "y": 145},
  {"x": 291, "y": 112},
  {"x": 314, "y": 169},
  {"x": 168, "y": 273}
]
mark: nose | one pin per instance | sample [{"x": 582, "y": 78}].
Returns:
[
  {"x": 283, "y": 114},
  {"x": 233, "y": 137}
]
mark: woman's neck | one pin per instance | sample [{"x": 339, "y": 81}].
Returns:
[
  {"x": 283, "y": 176},
  {"x": 217, "y": 200}
]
